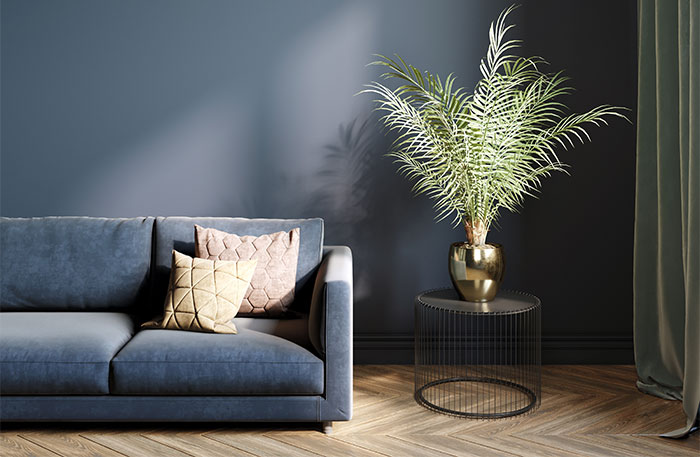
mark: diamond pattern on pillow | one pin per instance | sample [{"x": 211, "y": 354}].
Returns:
[
  {"x": 204, "y": 295},
  {"x": 271, "y": 289}
]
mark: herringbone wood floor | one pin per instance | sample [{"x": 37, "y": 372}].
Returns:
[{"x": 586, "y": 411}]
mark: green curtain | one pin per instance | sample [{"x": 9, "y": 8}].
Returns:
[{"x": 667, "y": 222}]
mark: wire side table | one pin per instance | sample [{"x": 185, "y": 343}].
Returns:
[{"x": 478, "y": 360}]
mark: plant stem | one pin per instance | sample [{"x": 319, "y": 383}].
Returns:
[{"x": 476, "y": 232}]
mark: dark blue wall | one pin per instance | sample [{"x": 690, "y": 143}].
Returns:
[{"x": 246, "y": 108}]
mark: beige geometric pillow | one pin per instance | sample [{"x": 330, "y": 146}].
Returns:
[
  {"x": 204, "y": 295},
  {"x": 271, "y": 290}
]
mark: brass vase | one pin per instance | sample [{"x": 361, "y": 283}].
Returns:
[{"x": 476, "y": 271}]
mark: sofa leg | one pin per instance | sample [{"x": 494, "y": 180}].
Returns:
[{"x": 327, "y": 427}]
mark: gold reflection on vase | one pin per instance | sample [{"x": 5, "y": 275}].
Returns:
[{"x": 476, "y": 271}]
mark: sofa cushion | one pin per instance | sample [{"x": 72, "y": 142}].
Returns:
[
  {"x": 204, "y": 295},
  {"x": 59, "y": 352},
  {"x": 74, "y": 263},
  {"x": 271, "y": 290},
  {"x": 295, "y": 330},
  {"x": 178, "y": 233},
  {"x": 173, "y": 362}
]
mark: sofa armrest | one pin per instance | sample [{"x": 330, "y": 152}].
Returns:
[{"x": 330, "y": 329}]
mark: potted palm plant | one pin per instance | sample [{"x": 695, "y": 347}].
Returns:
[{"x": 474, "y": 154}]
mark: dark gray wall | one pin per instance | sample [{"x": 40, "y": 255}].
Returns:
[{"x": 246, "y": 108}]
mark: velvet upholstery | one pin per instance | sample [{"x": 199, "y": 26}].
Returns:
[
  {"x": 336, "y": 271},
  {"x": 295, "y": 330},
  {"x": 330, "y": 329},
  {"x": 291, "y": 379},
  {"x": 49, "y": 353},
  {"x": 173, "y": 362},
  {"x": 178, "y": 233},
  {"x": 74, "y": 263},
  {"x": 110, "y": 408}
]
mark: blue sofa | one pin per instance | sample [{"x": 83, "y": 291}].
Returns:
[{"x": 74, "y": 290}]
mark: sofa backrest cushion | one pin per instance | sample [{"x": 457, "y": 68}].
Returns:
[
  {"x": 74, "y": 263},
  {"x": 179, "y": 233}
]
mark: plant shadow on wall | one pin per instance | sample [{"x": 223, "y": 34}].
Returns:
[{"x": 346, "y": 194}]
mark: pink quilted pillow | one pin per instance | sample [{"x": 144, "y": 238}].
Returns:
[{"x": 271, "y": 290}]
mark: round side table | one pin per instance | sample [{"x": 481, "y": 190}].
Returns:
[{"x": 478, "y": 360}]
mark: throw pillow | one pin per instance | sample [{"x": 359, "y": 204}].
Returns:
[
  {"x": 204, "y": 295},
  {"x": 271, "y": 290}
]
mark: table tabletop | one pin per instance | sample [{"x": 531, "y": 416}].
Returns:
[{"x": 506, "y": 302}]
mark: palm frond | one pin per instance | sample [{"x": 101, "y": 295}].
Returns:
[{"x": 475, "y": 154}]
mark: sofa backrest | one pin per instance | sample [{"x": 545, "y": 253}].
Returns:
[
  {"x": 178, "y": 233},
  {"x": 74, "y": 263}
]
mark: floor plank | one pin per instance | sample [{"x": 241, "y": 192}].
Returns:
[
  {"x": 197, "y": 445},
  {"x": 621, "y": 445},
  {"x": 261, "y": 445},
  {"x": 134, "y": 445},
  {"x": 16, "y": 446},
  {"x": 578, "y": 444},
  {"x": 454, "y": 446},
  {"x": 391, "y": 445},
  {"x": 325, "y": 445},
  {"x": 518, "y": 446},
  {"x": 70, "y": 444}
]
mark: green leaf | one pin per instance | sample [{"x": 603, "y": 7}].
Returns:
[{"x": 474, "y": 154}]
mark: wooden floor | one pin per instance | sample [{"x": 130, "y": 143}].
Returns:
[{"x": 586, "y": 411}]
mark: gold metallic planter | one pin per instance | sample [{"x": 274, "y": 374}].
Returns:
[{"x": 476, "y": 272}]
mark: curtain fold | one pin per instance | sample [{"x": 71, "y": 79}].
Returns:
[{"x": 667, "y": 221}]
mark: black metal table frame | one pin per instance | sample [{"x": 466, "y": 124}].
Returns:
[{"x": 532, "y": 396}]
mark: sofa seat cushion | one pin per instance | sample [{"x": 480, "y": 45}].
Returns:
[
  {"x": 295, "y": 330},
  {"x": 175, "y": 362},
  {"x": 59, "y": 352}
]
